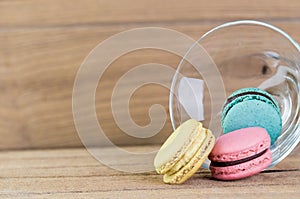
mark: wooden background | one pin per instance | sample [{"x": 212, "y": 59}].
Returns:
[{"x": 43, "y": 43}]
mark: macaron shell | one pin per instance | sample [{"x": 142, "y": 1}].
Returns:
[
  {"x": 240, "y": 144},
  {"x": 247, "y": 97},
  {"x": 194, "y": 164},
  {"x": 242, "y": 170},
  {"x": 253, "y": 113},
  {"x": 253, "y": 89},
  {"x": 176, "y": 146}
]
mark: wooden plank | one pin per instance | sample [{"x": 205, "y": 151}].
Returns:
[
  {"x": 185, "y": 193},
  {"x": 37, "y": 13},
  {"x": 38, "y": 68},
  {"x": 78, "y": 162},
  {"x": 61, "y": 173},
  {"x": 135, "y": 183}
]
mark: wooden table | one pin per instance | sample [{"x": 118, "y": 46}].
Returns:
[
  {"x": 43, "y": 43},
  {"x": 73, "y": 173}
]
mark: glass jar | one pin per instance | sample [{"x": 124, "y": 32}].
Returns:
[{"x": 246, "y": 54}]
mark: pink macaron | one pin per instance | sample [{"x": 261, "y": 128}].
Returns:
[{"x": 240, "y": 153}]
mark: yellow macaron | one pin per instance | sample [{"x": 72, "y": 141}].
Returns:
[{"x": 184, "y": 152}]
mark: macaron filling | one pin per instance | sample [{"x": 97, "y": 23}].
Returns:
[{"x": 236, "y": 162}]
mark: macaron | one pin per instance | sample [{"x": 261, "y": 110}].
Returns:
[
  {"x": 241, "y": 153},
  {"x": 184, "y": 152},
  {"x": 250, "y": 107}
]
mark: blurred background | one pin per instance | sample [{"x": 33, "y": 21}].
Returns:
[{"x": 44, "y": 42}]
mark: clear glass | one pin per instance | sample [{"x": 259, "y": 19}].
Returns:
[{"x": 246, "y": 54}]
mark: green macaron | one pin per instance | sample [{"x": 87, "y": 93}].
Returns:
[{"x": 252, "y": 107}]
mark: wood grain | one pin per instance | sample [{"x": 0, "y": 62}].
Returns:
[
  {"x": 70, "y": 173},
  {"x": 37, "y": 13},
  {"x": 38, "y": 72},
  {"x": 43, "y": 44},
  {"x": 37, "y": 93}
]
